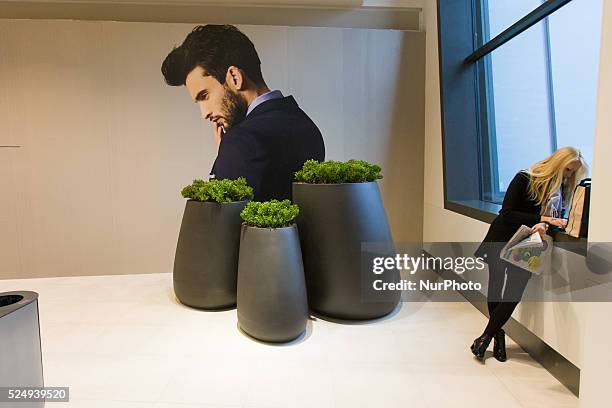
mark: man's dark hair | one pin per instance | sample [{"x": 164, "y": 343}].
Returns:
[{"x": 214, "y": 48}]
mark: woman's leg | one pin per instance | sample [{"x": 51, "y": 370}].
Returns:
[
  {"x": 491, "y": 306},
  {"x": 495, "y": 286},
  {"x": 516, "y": 283},
  {"x": 494, "y": 297}
]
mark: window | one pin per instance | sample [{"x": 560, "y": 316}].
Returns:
[
  {"x": 518, "y": 81},
  {"x": 540, "y": 86}
]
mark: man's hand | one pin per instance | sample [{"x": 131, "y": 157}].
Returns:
[{"x": 218, "y": 133}]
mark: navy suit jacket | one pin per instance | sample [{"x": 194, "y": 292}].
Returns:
[{"x": 268, "y": 147}]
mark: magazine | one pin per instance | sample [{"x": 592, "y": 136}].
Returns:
[{"x": 528, "y": 250}]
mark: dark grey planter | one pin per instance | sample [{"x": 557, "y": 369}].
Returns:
[
  {"x": 334, "y": 220},
  {"x": 21, "y": 361},
  {"x": 272, "y": 302},
  {"x": 206, "y": 260}
]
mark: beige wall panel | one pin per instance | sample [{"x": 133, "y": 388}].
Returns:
[
  {"x": 315, "y": 69},
  {"x": 272, "y": 44},
  {"x": 9, "y": 220},
  {"x": 11, "y": 79},
  {"x": 107, "y": 145},
  {"x": 63, "y": 168},
  {"x": 393, "y": 125},
  {"x": 354, "y": 77},
  {"x": 158, "y": 144}
]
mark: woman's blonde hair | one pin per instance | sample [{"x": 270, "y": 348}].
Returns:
[{"x": 547, "y": 175}]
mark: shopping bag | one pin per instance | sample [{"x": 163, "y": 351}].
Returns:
[
  {"x": 529, "y": 251},
  {"x": 578, "y": 221}
]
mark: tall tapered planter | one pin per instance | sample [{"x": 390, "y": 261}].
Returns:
[
  {"x": 334, "y": 221},
  {"x": 272, "y": 302},
  {"x": 206, "y": 261}
]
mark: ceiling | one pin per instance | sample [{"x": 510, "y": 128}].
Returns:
[
  {"x": 378, "y": 14},
  {"x": 317, "y": 3}
]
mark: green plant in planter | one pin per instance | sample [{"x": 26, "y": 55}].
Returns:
[
  {"x": 270, "y": 214},
  {"x": 220, "y": 191},
  {"x": 340, "y": 209},
  {"x": 270, "y": 252},
  {"x": 335, "y": 172}
]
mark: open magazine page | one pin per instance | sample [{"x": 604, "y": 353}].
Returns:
[{"x": 528, "y": 250}]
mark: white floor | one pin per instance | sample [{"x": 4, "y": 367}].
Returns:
[{"x": 125, "y": 342}]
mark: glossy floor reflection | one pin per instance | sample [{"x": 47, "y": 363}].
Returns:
[{"x": 124, "y": 341}]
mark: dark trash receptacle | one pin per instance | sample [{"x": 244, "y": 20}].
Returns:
[
  {"x": 272, "y": 302},
  {"x": 206, "y": 260},
  {"x": 20, "y": 350}
]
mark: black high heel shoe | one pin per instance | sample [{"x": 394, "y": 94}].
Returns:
[
  {"x": 480, "y": 345},
  {"x": 499, "y": 345}
]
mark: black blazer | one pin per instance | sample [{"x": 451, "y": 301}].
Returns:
[
  {"x": 517, "y": 209},
  {"x": 268, "y": 147}
]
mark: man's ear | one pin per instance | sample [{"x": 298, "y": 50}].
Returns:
[{"x": 235, "y": 78}]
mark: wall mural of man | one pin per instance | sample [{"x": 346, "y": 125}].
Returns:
[{"x": 262, "y": 135}]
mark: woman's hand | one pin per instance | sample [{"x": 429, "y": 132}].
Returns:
[
  {"x": 541, "y": 228},
  {"x": 558, "y": 222}
]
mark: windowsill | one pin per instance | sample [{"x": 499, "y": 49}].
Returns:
[
  {"x": 486, "y": 212},
  {"x": 569, "y": 243},
  {"x": 480, "y": 210}
]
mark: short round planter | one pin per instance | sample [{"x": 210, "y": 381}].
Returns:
[
  {"x": 206, "y": 261},
  {"x": 272, "y": 302},
  {"x": 334, "y": 221}
]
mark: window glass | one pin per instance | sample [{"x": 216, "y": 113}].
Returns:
[
  {"x": 541, "y": 87},
  {"x": 513, "y": 107},
  {"x": 519, "y": 115},
  {"x": 501, "y": 14},
  {"x": 575, "y": 68}
]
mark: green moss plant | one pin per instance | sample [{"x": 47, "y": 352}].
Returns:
[
  {"x": 219, "y": 191},
  {"x": 270, "y": 214},
  {"x": 335, "y": 172}
]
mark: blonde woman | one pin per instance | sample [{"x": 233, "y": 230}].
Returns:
[{"x": 537, "y": 198}]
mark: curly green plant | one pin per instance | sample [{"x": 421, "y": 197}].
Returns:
[
  {"x": 335, "y": 172},
  {"x": 269, "y": 214},
  {"x": 220, "y": 191}
]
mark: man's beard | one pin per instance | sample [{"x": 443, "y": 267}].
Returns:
[{"x": 233, "y": 106}]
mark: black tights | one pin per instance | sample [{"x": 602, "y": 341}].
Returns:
[{"x": 501, "y": 305}]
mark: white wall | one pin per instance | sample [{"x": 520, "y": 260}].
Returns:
[
  {"x": 597, "y": 334},
  {"x": 107, "y": 146}
]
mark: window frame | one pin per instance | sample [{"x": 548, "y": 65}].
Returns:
[{"x": 470, "y": 173}]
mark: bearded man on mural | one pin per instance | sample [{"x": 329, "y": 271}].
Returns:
[{"x": 261, "y": 134}]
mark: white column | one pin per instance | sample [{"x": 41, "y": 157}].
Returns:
[{"x": 596, "y": 369}]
